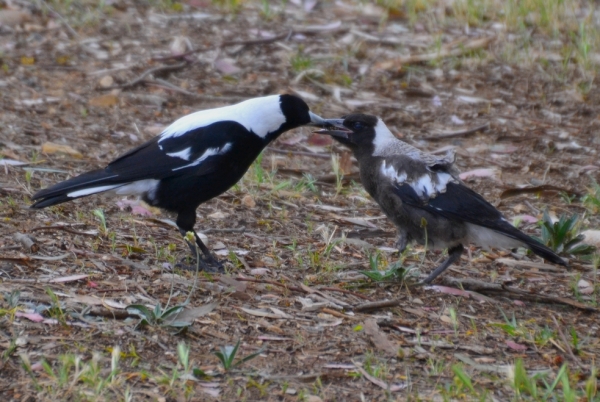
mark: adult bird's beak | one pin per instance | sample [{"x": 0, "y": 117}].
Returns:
[{"x": 333, "y": 127}]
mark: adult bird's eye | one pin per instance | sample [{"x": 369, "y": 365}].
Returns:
[{"x": 357, "y": 125}]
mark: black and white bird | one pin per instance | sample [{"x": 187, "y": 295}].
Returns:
[
  {"x": 196, "y": 158},
  {"x": 423, "y": 195}
]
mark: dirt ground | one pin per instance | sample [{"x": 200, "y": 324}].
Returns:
[{"x": 81, "y": 83}]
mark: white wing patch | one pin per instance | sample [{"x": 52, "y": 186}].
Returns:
[
  {"x": 185, "y": 154},
  {"x": 259, "y": 115},
  {"x": 208, "y": 153},
  {"x": 430, "y": 185},
  {"x": 391, "y": 173}
]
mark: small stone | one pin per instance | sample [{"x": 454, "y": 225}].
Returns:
[
  {"x": 218, "y": 215},
  {"x": 107, "y": 81}
]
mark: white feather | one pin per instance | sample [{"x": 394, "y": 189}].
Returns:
[
  {"x": 259, "y": 115},
  {"x": 487, "y": 238},
  {"x": 185, "y": 154},
  {"x": 383, "y": 139},
  {"x": 423, "y": 186},
  {"x": 147, "y": 186},
  {"x": 391, "y": 173},
  {"x": 431, "y": 184},
  {"x": 91, "y": 190},
  {"x": 206, "y": 154}
]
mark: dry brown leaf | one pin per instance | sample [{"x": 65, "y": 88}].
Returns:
[
  {"x": 248, "y": 201},
  {"x": 380, "y": 339},
  {"x": 107, "y": 100},
  {"x": 13, "y": 18},
  {"x": 52, "y": 148},
  {"x": 188, "y": 315}
]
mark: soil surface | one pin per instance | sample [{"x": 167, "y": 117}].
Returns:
[{"x": 78, "y": 90}]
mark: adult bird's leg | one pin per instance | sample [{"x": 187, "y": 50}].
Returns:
[
  {"x": 209, "y": 263},
  {"x": 454, "y": 254}
]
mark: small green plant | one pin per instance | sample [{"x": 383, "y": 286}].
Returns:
[
  {"x": 454, "y": 319},
  {"x": 99, "y": 213},
  {"x": 563, "y": 236},
  {"x": 339, "y": 175},
  {"x": 461, "y": 379},
  {"x": 158, "y": 316},
  {"x": 592, "y": 199},
  {"x": 543, "y": 336},
  {"x": 12, "y": 298},
  {"x": 395, "y": 272},
  {"x": 227, "y": 355},
  {"x": 28, "y": 177},
  {"x": 522, "y": 383},
  {"x": 307, "y": 182},
  {"x": 301, "y": 62},
  {"x": 56, "y": 309}
]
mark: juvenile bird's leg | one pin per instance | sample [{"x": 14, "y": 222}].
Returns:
[
  {"x": 402, "y": 242},
  {"x": 454, "y": 254}
]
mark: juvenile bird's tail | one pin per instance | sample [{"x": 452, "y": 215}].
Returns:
[
  {"x": 538, "y": 248},
  {"x": 93, "y": 182}
]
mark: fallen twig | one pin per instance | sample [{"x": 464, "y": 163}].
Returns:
[
  {"x": 494, "y": 289},
  {"x": 299, "y": 153},
  {"x": 333, "y": 289},
  {"x": 459, "y": 133},
  {"x": 226, "y": 44},
  {"x": 566, "y": 343},
  {"x": 377, "y": 305},
  {"x": 226, "y": 230},
  {"x": 64, "y": 229},
  {"x": 140, "y": 78},
  {"x": 268, "y": 282},
  {"x": 454, "y": 49},
  {"x": 28, "y": 242}
]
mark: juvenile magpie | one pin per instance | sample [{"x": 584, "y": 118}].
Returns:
[
  {"x": 424, "y": 196},
  {"x": 196, "y": 158}
]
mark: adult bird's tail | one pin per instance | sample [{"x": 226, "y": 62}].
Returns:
[{"x": 93, "y": 182}]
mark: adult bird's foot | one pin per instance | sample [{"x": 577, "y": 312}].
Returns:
[{"x": 210, "y": 265}]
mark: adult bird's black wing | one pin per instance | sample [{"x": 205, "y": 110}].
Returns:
[{"x": 196, "y": 152}]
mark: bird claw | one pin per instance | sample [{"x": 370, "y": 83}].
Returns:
[{"x": 210, "y": 265}]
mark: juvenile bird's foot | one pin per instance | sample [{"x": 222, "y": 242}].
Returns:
[
  {"x": 401, "y": 243},
  {"x": 454, "y": 254}
]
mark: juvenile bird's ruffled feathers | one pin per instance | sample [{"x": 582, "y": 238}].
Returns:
[{"x": 424, "y": 196}]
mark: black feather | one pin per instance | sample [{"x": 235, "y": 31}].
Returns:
[{"x": 461, "y": 204}]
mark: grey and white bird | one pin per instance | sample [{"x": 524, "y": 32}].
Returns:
[
  {"x": 195, "y": 159},
  {"x": 423, "y": 195}
]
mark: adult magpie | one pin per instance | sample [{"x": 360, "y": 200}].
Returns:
[
  {"x": 196, "y": 158},
  {"x": 424, "y": 196}
]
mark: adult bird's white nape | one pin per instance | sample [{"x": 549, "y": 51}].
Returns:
[
  {"x": 423, "y": 195},
  {"x": 195, "y": 159}
]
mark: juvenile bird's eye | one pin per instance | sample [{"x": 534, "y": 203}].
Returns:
[{"x": 357, "y": 125}]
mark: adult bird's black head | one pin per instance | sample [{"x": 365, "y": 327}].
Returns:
[{"x": 196, "y": 158}]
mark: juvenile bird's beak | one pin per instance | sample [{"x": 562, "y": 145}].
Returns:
[{"x": 334, "y": 128}]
